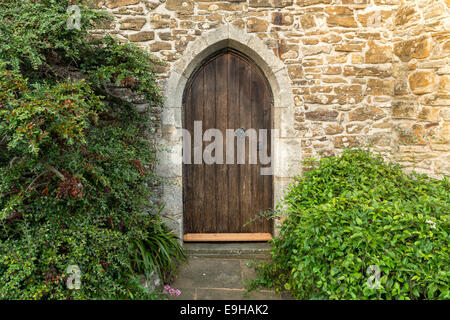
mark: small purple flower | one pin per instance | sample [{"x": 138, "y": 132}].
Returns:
[
  {"x": 172, "y": 292},
  {"x": 166, "y": 288},
  {"x": 178, "y": 292}
]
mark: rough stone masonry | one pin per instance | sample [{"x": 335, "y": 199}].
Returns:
[{"x": 369, "y": 73}]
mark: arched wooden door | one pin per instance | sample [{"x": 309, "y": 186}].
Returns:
[{"x": 221, "y": 200}]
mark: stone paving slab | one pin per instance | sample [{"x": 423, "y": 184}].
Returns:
[
  {"x": 207, "y": 278},
  {"x": 209, "y": 273},
  {"x": 231, "y": 294}
]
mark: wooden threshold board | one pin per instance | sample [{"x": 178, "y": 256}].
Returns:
[{"x": 226, "y": 237}]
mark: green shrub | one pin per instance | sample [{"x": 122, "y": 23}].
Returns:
[
  {"x": 355, "y": 211},
  {"x": 76, "y": 164}
]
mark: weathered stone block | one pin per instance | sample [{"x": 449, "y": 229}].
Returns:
[
  {"x": 419, "y": 134},
  {"x": 374, "y": 19},
  {"x": 308, "y": 21},
  {"x": 404, "y": 15},
  {"x": 282, "y": 19},
  {"x": 404, "y": 110},
  {"x": 151, "y": 5},
  {"x": 142, "y": 36},
  {"x": 346, "y": 141},
  {"x": 112, "y": 4},
  {"x": 132, "y": 23},
  {"x": 180, "y": 6},
  {"x": 422, "y": 82},
  {"x": 220, "y": 6},
  {"x": 443, "y": 135},
  {"x": 340, "y": 16},
  {"x": 349, "y": 94},
  {"x": 379, "y": 140},
  {"x": 331, "y": 38},
  {"x": 409, "y": 49},
  {"x": 295, "y": 71},
  {"x": 446, "y": 48},
  {"x": 239, "y": 23},
  {"x": 272, "y": 3},
  {"x": 338, "y": 10},
  {"x": 304, "y": 3},
  {"x": 333, "y": 70},
  {"x": 159, "y": 21},
  {"x": 378, "y": 87},
  {"x": 317, "y": 49},
  {"x": 387, "y": 2},
  {"x": 160, "y": 45},
  {"x": 322, "y": 115},
  {"x": 429, "y": 114},
  {"x": 378, "y": 53},
  {"x": 355, "y": 1},
  {"x": 337, "y": 59},
  {"x": 257, "y": 25},
  {"x": 348, "y": 47},
  {"x": 366, "y": 113},
  {"x": 310, "y": 41},
  {"x": 333, "y": 129},
  {"x": 342, "y": 21},
  {"x": 288, "y": 51},
  {"x": 321, "y": 89},
  {"x": 444, "y": 83},
  {"x": 354, "y": 128},
  {"x": 444, "y": 113},
  {"x": 96, "y": 4},
  {"x": 382, "y": 72}
]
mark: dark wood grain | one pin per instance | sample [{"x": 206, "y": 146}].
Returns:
[
  {"x": 227, "y": 92},
  {"x": 257, "y": 179},
  {"x": 198, "y": 170},
  {"x": 267, "y": 203},
  {"x": 234, "y": 187},
  {"x": 209, "y": 122},
  {"x": 188, "y": 198},
  {"x": 223, "y": 215},
  {"x": 245, "y": 112}
]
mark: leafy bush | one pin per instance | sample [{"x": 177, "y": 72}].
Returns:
[
  {"x": 75, "y": 161},
  {"x": 354, "y": 211}
]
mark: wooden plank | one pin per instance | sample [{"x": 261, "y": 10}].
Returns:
[
  {"x": 258, "y": 205},
  {"x": 268, "y": 179},
  {"x": 188, "y": 205},
  {"x": 234, "y": 188},
  {"x": 226, "y": 237},
  {"x": 245, "y": 111},
  {"x": 223, "y": 215},
  {"x": 198, "y": 174},
  {"x": 209, "y": 122}
]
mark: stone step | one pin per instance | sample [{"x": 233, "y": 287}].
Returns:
[{"x": 247, "y": 250}]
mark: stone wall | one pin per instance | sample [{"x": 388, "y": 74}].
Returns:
[
  {"x": 369, "y": 73},
  {"x": 363, "y": 72},
  {"x": 420, "y": 107},
  {"x": 345, "y": 73}
]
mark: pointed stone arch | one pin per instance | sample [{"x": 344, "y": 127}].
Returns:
[{"x": 287, "y": 145}]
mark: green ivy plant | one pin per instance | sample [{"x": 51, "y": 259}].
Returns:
[
  {"x": 76, "y": 162},
  {"x": 359, "y": 228}
]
